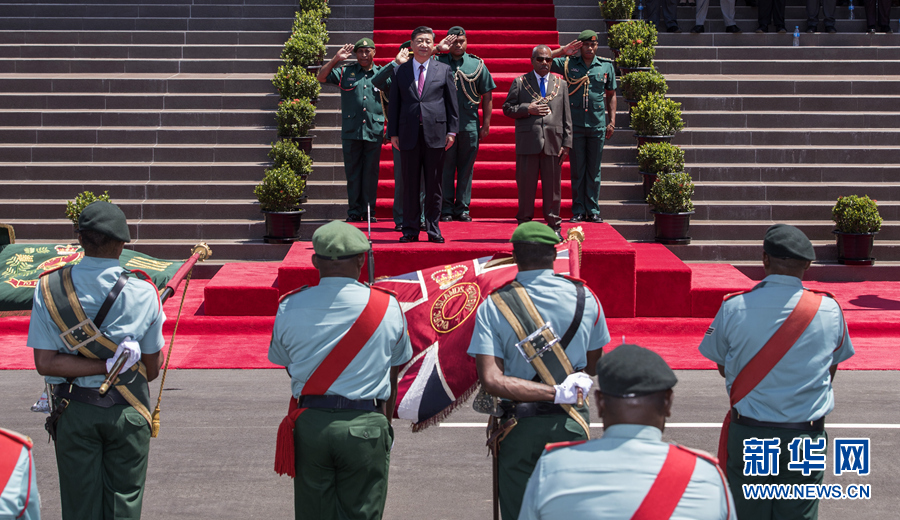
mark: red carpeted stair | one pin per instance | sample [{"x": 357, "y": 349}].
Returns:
[{"x": 502, "y": 33}]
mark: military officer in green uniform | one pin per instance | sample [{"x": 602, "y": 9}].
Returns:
[
  {"x": 341, "y": 424},
  {"x": 534, "y": 412},
  {"x": 793, "y": 397},
  {"x": 102, "y": 442},
  {"x": 592, "y": 94},
  {"x": 362, "y": 123},
  {"x": 474, "y": 86},
  {"x": 382, "y": 82},
  {"x": 587, "y": 479}
]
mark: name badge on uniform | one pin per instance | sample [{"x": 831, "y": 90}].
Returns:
[{"x": 576, "y": 69}]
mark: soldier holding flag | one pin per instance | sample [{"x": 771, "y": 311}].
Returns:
[{"x": 522, "y": 359}]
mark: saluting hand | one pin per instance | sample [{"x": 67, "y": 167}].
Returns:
[
  {"x": 572, "y": 47},
  {"x": 344, "y": 52},
  {"x": 445, "y": 44},
  {"x": 538, "y": 109},
  {"x": 402, "y": 56}
]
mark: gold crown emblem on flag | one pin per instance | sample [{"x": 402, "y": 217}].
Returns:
[
  {"x": 66, "y": 250},
  {"x": 449, "y": 275}
]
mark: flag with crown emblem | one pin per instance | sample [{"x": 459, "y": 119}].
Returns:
[{"x": 440, "y": 305}]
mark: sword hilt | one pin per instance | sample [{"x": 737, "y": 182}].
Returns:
[
  {"x": 579, "y": 402},
  {"x": 113, "y": 373}
]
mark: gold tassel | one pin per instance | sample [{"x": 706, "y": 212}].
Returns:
[{"x": 154, "y": 423}]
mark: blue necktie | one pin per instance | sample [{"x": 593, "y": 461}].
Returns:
[{"x": 543, "y": 88}]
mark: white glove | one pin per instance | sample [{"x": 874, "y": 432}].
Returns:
[
  {"x": 567, "y": 391},
  {"x": 127, "y": 347}
]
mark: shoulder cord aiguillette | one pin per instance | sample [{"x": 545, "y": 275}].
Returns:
[{"x": 578, "y": 83}]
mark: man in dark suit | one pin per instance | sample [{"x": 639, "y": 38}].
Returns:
[
  {"x": 538, "y": 102},
  {"x": 423, "y": 119}
]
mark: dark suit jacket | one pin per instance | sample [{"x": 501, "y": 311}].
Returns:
[
  {"x": 535, "y": 134},
  {"x": 438, "y": 106}
]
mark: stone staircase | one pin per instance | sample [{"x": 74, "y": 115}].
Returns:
[{"x": 168, "y": 105}]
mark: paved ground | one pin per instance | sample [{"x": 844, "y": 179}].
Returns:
[{"x": 214, "y": 456}]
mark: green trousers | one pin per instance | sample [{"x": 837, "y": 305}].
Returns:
[
  {"x": 521, "y": 449},
  {"x": 361, "y": 168},
  {"x": 459, "y": 164},
  {"x": 584, "y": 159},
  {"x": 758, "y": 509},
  {"x": 101, "y": 454},
  {"x": 342, "y": 460},
  {"x": 398, "y": 192}
]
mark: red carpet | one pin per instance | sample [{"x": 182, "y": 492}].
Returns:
[{"x": 502, "y": 33}]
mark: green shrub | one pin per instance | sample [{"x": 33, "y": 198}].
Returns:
[
  {"x": 633, "y": 56},
  {"x": 75, "y": 207},
  {"x": 617, "y": 9},
  {"x": 636, "y": 85},
  {"x": 296, "y": 82},
  {"x": 660, "y": 158},
  {"x": 671, "y": 193},
  {"x": 656, "y": 115},
  {"x": 311, "y": 22},
  {"x": 634, "y": 32},
  {"x": 302, "y": 50},
  {"x": 294, "y": 117},
  {"x": 284, "y": 153},
  {"x": 855, "y": 214},
  {"x": 316, "y": 5},
  {"x": 279, "y": 190}
]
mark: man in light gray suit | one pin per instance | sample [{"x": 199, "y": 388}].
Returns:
[{"x": 538, "y": 101}]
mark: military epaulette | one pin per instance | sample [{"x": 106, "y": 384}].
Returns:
[
  {"x": 295, "y": 291},
  {"x": 572, "y": 278},
  {"x": 732, "y": 295},
  {"x": 16, "y": 437},
  {"x": 476, "y": 57},
  {"x": 823, "y": 293},
  {"x": 708, "y": 457},
  {"x": 382, "y": 289},
  {"x": 609, "y": 60},
  {"x": 554, "y": 445}
]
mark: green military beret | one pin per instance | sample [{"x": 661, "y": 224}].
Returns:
[
  {"x": 457, "y": 30},
  {"x": 633, "y": 371},
  {"x": 105, "y": 218},
  {"x": 338, "y": 241},
  {"x": 406, "y": 45},
  {"x": 364, "y": 42},
  {"x": 534, "y": 233},
  {"x": 784, "y": 241},
  {"x": 587, "y": 36}
]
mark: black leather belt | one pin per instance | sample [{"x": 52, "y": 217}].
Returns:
[
  {"x": 523, "y": 410},
  {"x": 808, "y": 426},
  {"x": 339, "y": 403},
  {"x": 89, "y": 395}
]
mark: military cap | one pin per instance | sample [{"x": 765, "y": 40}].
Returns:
[
  {"x": 534, "y": 233},
  {"x": 364, "y": 42},
  {"x": 587, "y": 36},
  {"x": 339, "y": 241},
  {"x": 457, "y": 30},
  {"x": 406, "y": 45},
  {"x": 105, "y": 218},
  {"x": 633, "y": 371},
  {"x": 784, "y": 241}
]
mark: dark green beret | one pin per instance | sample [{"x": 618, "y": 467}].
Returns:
[
  {"x": 457, "y": 30},
  {"x": 784, "y": 241},
  {"x": 364, "y": 42},
  {"x": 633, "y": 371},
  {"x": 106, "y": 218},
  {"x": 338, "y": 240},
  {"x": 534, "y": 233},
  {"x": 406, "y": 45},
  {"x": 587, "y": 36}
]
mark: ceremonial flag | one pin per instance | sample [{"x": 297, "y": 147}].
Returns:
[
  {"x": 22, "y": 264},
  {"x": 440, "y": 304}
]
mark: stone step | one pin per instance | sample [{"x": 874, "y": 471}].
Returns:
[
  {"x": 119, "y": 189},
  {"x": 138, "y": 66},
  {"x": 132, "y": 152},
  {"x": 787, "y": 103},
  {"x": 137, "y": 209},
  {"x": 96, "y": 23},
  {"x": 149, "y": 229},
  {"x": 212, "y": 84},
  {"x": 781, "y": 85},
  {"x": 707, "y": 230},
  {"x": 786, "y": 67},
  {"x": 163, "y": 101},
  {"x": 811, "y": 53},
  {"x": 749, "y": 250},
  {"x": 111, "y": 52},
  {"x": 855, "y": 38},
  {"x": 146, "y": 38},
  {"x": 133, "y": 171},
  {"x": 136, "y": 135},
  {"x": 138, "y": 118}
]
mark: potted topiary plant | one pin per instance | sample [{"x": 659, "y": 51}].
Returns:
[
  {"x": 636, "y": 85},
  {"x": 311, "y": 22},
  {"x": 303, "y": 50},
  {"x": 857, "y": 221},
  {"x": 656, "y": 119},
  {"x": 296, "y": 82},
  {"x": 295, "y": 118},
  {"x": 616, "y": 11},
  {"x": 632, "y": 32},
  {"x": 278, "y": 196},
  {"x": 632, "y": 58},
  {"x": 672, "y": 207},
  {"x": 315, "y": 5},
  {"x": 75, "y": 207},
  {"x": 285, "y": 153},
  {"x": 656, "y": 159}
]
